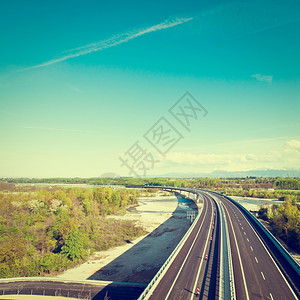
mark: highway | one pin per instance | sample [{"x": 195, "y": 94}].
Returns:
[
  {"x": 196, "y": 263},
  {"x": 259, "y": 271},
  {"x": 256, "y": 274}
]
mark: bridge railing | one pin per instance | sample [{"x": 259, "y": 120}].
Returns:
[{"x": 161, "y": 272}]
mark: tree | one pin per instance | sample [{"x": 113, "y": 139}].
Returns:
[
  {"x": 87, "y": 206},
  {"x": 73, "y": 246},
  {"x": 116, "y": 199},
  {"x": 12, "y": 254}
]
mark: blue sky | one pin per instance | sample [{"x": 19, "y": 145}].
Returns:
[{"x": 82, "y": 81}]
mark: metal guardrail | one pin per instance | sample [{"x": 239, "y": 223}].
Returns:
[
  {"x": 227, "y": 286},
  {"x": 230, "y": 279},
  {"x": 161, "y": 272},
  {"x": 293, "y": 263}
]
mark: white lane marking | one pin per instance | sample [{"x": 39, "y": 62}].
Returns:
[
  {"x": 256, "y": 259},
  {"x": 239, "y": 255},
  {"x": 263, "y": 276},
  {"x": 271, "y": 296},
  {"x": 171, "y": 288},
  {"x": 247, "y": 240},
  {"x": 291, "y": 290},
  {"x": 199, "y": 269},
  {"x": 242, "y": 228},
  {"x": 251, "y": 248},
  {"x": 244, "y": 233}
]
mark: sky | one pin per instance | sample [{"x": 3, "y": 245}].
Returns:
[{"x": 95, "y": 87}]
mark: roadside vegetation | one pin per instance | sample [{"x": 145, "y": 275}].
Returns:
[
  {"x": 269, "y": 188},
  {"x": 284, "y": 221},
  {"x": 43, "y": 231},
  {"x": 46, "y": 229}
]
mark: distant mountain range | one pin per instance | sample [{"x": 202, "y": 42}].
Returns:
[{"x": 232, "y": 174}]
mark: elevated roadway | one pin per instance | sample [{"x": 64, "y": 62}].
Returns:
[{"x": 259, "y": 270}]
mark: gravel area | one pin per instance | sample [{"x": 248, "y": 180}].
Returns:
[{"x": 140, "y": 259}]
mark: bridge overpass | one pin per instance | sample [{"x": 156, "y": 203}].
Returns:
[{"x": 225, "y": 253}]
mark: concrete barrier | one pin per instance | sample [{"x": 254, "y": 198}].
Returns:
[{"x": 227, "y": 285}]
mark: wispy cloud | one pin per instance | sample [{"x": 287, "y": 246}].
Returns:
[
  {"x": 112, "y": 42},
  {"x": 58, "y": 129},
  {"x": 294, "y": 144},
  {"x": 285, "y": 156},
  {"x": 263, "y": 78}
]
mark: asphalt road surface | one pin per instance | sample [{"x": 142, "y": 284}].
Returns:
[
  {"x": 72, "y": 289},
  {"x": 256, "y": 273},
  {"x": 196, "y": 263}
]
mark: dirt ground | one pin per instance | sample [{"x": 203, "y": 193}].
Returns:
[
  {"x": 255, "y": 206},
  {"x": 140, "y": 259}
]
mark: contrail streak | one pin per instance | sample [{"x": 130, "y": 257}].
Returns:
[{"x": 111, "y": 42}]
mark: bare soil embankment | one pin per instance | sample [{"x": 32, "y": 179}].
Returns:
[{"x": 140, "y": 259}]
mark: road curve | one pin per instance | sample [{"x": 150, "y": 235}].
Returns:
[
  {"x": 87, "y": 289},
  {"x": 196, "y": 263},
  {"x": 259, "y": 272}
]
